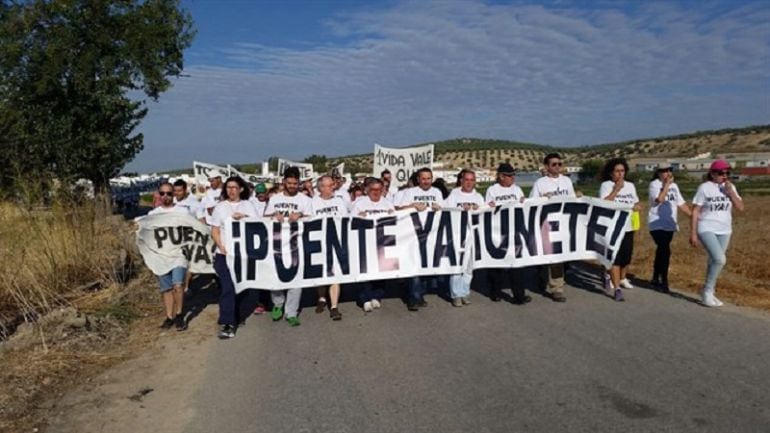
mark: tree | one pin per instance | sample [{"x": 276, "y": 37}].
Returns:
[
  {"x": 71, "y": 73},
  {"x": 590, "y": 169}
]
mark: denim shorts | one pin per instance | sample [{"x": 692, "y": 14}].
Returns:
[{"x": 174, "y": 278}]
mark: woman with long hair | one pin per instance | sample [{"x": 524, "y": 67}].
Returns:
[
  {"x": 665, "y": 199},
  {"x": 234, "y": 204},
  {"x": 615, "y": 188},
  {"x": 712, "y": 223}
]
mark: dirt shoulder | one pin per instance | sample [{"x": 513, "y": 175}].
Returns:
[{"x": 152, "y": 392}]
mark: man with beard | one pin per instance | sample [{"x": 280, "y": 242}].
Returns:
[{"x": 288, "y": 206}]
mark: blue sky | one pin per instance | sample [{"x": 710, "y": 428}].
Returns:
[{"x": 292, "y": 78}]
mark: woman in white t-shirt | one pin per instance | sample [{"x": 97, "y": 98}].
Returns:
[
  {"x": 712, "y": 223},
  {"x": 234, "y": 204},
  {"x": 615, "y": 188},
  {"x": 665, "y": 199}
]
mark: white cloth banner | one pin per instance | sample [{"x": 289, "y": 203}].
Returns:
[
  {"x": 251, "y": 178},
  {"x": 203, "y": 171},
  {"x": 305, "y": 169},
  {"x": 172, "y": 239},
  {"x": 402, "y": 162},
  {"x": 263, "y": 254}
]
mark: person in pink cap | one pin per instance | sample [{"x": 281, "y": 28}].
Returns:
[{"x": 712, "y": 223}]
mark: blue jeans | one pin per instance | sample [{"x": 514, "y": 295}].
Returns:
[
  {"x": 227, "y": 312},
  {"x": 716, "y": 246},
  {"x": 460, "y": 285},
  {"x": 368, "y": 290}
]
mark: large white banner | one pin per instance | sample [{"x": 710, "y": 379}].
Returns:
[
  {"x": 204, "y": 171},
  {"x": 251, "y": 178},
  {"x": 305, "y": 169},
  {"x": 174, "y": 239},
  {"x": 402, "y": 162},
  {"x": 264, "y": 254}
]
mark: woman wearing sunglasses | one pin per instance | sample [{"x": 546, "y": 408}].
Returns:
[{"x": 712, "y": 223}]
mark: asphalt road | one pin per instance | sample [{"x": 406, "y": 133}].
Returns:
[{"x": 656, "y": 363}]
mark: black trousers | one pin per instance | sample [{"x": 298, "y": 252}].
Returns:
[
  {"x": 663, "y": 240},
  {"x": 498, "y": 279}
]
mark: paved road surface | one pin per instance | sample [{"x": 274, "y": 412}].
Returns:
[{"x": 654, "y": 363}]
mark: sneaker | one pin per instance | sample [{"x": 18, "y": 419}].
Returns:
[
  {"x": 457, "y": 302},
  {"x": 293, "y": 321},
  {"x": 526, "y": 299},
  {"x": 368, "y": 307},
  {"x": 411, "y": 305},
  {"x": 260, "y": 309},
  {"x": 277, "y": 313},
  {"x": 624, "y": 283},
  {"x": 558, "y": 297},
  {"x": 321, "y": 307},
  {"x": 181, "y": 324},
  {"x": 422, "y": 303},
  {"x": 227, "y": 331},
  {"x": 376, "y": 304},
  {"x": 717, "y": 302},
  {"x": 466, "y": 300},
  {"x": 707, "y": 299},
  {"x": 335, "y": 314},
  {"x": 618, "y": 295},
  {"x": 167, "y": 324}
]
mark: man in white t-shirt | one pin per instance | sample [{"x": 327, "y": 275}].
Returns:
[
  {"x": 289, "y": 206},
  {"x": 189, "y": 203},
  {"x": 464, "y": 197},
  {"x": 423, "y": 197},
  {"x": 553, "y": 185},
  {"x": 503, "y": 192},
  {"x": 373, "y": 205},
  {"x": 171, "y": 283},
  {"x": 326, "y": 204},
  {"x": 210, "y": 199},
  {"x": 259, "y": 198}
]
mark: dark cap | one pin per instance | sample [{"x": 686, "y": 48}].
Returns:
[{"x": 506, "y": 168}]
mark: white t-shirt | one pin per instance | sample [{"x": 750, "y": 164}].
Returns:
[
  {"x": 557, "y": 187},
  {"x": 419, "y": 195},
  {"x": 328, "y": 207},
  {"x": 457, "y": 198},
  {"x": 716, "y": 208},
  {"x": 501, "y": 195},
  {"x": 226, "y": 209},
  {"x": 259, "y": 206},
  {"x": 161, "y": 210},
  {"x": 191, "y": 205},
  {"x": 210, "y": 200},
  {"x": 371, "y": 208},
  {"x": 626, "y": 196},
  {"x": 282, "y": 203},
  {"x": 344, "y": 195},
  {"x": 663, "y": 216}
]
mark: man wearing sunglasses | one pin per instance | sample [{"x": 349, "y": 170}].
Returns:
[
  {"x": 553, "y": 184},
  {"x": 172, "y": 283}
]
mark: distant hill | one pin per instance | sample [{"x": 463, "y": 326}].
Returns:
[{"x": 487, "y": 153}]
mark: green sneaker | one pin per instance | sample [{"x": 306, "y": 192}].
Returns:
[
  {"x": 293, "y": 321},
  {"x": 276, "y": 314}
]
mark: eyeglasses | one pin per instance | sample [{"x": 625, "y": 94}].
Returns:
[
  {"x": 555, "y": 164},
  {"x": 162, "y": 193}
]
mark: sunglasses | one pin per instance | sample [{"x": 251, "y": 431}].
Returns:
[
  {"x": 162, "y": 193},
  {"x": 722, "y": 172}
]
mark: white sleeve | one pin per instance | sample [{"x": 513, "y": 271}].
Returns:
[
  {"x": 216, "y": 217},
  {"x": 700, "y": 196},
  {"x": 519, "y": 192},
  {"x": 679, "y": 197},
  {"x": 571, "y": 187},
  {"x": 489, "y": 197},
  {"x": 605, "y": 189},
  {"x": 534, "y": 192},
  {"x": 652, "y": 192},
  {"x": 270, "y": 208},
  {"x": 636, "y": 197}
]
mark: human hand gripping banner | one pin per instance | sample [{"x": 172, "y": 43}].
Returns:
[
  {"x": 265, "y": 254},
  {"x": 168, "y": 240}
]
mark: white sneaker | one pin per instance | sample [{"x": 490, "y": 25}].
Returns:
[
  {"x": 717, "y": 302},
  {"x": 707, "y": 299},
  {"x": 624, "y": 283},
  {"x": 368, "y": 307},
  {"x": 376, "y": 304}
]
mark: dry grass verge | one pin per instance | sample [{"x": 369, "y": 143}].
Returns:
[{"x": 746, "y": 278}]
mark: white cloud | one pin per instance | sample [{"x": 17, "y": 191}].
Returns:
[{"x": 424, "y": 71}]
